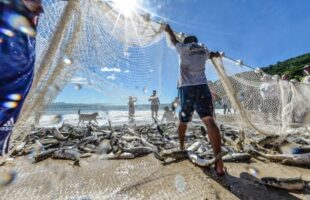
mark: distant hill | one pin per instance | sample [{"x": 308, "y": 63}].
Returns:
[{"x": 293, "y": 67}]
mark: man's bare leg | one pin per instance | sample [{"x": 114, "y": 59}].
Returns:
[
  {"x": 215, "y": 138},
  {"x": 182, "y": 130}
]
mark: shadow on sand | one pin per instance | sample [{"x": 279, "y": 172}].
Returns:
[{"x": 247, "y": 187}]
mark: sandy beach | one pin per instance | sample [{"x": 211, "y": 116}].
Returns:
[
  {"x": 144, "y": 178},
  {"x": 71, "y": 71}
]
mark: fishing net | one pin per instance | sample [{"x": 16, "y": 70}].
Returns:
[
  {"x": 261, "y": 102},
  {"x": 91, "y": 43},
  {"x": 95, "y": 46}
]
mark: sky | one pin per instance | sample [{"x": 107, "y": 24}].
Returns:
[{"x": 260, "y": 32}]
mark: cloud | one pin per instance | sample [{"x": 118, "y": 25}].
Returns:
[
  {"x": 79, "y": 80},
  {"x": 111, "y": 77},
  {"x": 113, "y": 69}
]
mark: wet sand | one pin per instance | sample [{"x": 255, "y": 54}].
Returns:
[{"x": 143, "y": 178}]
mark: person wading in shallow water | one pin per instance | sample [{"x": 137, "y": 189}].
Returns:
[
  {"x": 17, "y": 58},
  {"x": 194, "y": 92}
]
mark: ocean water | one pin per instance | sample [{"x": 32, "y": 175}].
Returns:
[{"x": 117, "y": 117}]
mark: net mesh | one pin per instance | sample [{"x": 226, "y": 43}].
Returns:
[
  {"x": 92, "y": 43},
  {"x": 96, "y": 46},
  {"x": 261, "y": 102},
  {"x": 88, "y": 42}
]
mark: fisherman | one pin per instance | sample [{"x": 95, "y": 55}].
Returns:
[
  {"x": 228, "y": 108},
  {"x": 225, "y": 105},
  {"x": 286, "y": 77},
  {"x": 17, "y": 59},
  {"x": 194, "y": 92},
  {"x": 154, "y": 104},
  {"x": 131, "y": 107},
  {"x": 306, "y": 79}
]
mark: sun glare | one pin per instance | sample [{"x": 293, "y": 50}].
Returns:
[{"x": 126, "y": 7}]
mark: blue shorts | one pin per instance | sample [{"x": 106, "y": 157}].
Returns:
[
  {"x": 197, "y": 97},
  {"x": 17, "y": 58}
]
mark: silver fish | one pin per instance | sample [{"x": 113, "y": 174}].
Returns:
[
  {"x": 83, "y": 142},
  {"x": 87, "y": 149},
  {"x": 44, "y": 155},
  {"x": 50, "y": 141},
  {"x": 298, "y": 159},
  {"x": 194, "y": 158},
  {"x": 146, "y": 143},
  {"x": 67, "y": 154},
  {"x": 104, "y": 147},
  {"x": 59, "y": 136},
  {"x": 290, "y": 159},
  {"x": 288, "y": 184},
  {"x": 18, "y": 149},
  {"x": 128, "y": 138},
  {"x": 124, "y": 155},
  {"x": 236, "y": 157},
  {"x": 194, "y": 146},
  {"x": 138, "y": 150},
  {"x": 85, "y": 155},
  {"x": 172, "y": 154}
]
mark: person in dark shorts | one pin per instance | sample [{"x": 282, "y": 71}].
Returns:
[
  {"x": 154, "y": 104},
  {"x": 225, "y": 105},
  {"x": 17, "y": 59},
  {"x": 194, "y": 91}
]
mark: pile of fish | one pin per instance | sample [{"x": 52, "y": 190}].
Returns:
[
  {"x": 291, "y": 149},
  {"x": 123, "y": 142}
]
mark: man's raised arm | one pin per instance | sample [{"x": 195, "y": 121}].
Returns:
[{"x": 171, "y": 34}]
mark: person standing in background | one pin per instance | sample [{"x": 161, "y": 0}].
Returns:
[
  {"x": 225, "y": 106},
  {"x": 131, "y": 107},
  {"x": 306, "y": 79},
  {"x": 286, "y": 77},
  {"x": 17, "y": 59},
  {"x": 154, "y": 104}
]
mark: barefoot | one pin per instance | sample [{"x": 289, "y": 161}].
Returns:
[{"x": 219, "y": 168}]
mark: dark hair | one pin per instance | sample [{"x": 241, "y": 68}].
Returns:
[{"x": 190, "y": 39}]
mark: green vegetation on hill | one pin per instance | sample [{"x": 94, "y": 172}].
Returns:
[{"x": 292, "y": 67}]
